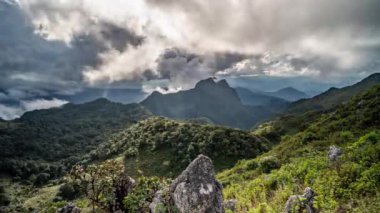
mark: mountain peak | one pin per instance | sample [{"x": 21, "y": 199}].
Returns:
[
  {"x": 205, "y": 82},
  {"x": 223, "y": 83},
  {"x": 373, "y": 77},
  {"x": 156, "y": 93},
  {"x": 288, "y": 89},
  {"x": 99, "y": 101},
  {"x": 289, "y": 94}
]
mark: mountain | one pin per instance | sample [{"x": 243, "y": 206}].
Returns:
[
  {"x": 252, "y": 98},
  {"x": 124, "y": 96},
  {"x": 336, "y": 155},
  {"x": 289, "y": 94},
  {"x": 334, "y": 96},
  {"x": 216, "y": 101}
]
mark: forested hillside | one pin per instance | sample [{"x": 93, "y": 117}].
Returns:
[
  {"x": 349, "y": 181},
  {"x": 49, "y": 141},
  {"x": 170, "y": 145}
]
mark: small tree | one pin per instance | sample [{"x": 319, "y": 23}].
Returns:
[{"x": 104, "y": 185}]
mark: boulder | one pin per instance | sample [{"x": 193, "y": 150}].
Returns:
[
  {"x": 196, "y": 189},
  {"x": 301, "y": 202},
  {"x": 230, "y": 204},
  {"x": 157, "y": 203},
  {"x": 70, "y": 208},
  {"x": 334, "y": 153}
]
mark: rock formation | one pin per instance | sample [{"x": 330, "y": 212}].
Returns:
[
  {"x": 230, "y": 204},
  {"x": 157, "y": 203},
  {"x": 334, "y": 153},
  {"x": 197, "y": 190},
  {"x": 301, "y": 202},
  {"x": 70, "y": 208}
]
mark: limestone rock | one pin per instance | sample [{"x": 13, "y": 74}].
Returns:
[
  {"x": 70, "y": 208},
  {"x": 334, "y": 153},
  {"x": 230, "y": 204},
  {"x": 197, "y": 190},
  {"x": 301, "y": 202},
  {"x": 156, "y": 203}
]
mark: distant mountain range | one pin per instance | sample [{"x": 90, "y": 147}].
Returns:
[
  {"x": 289, "y": 93},
  {"x": 334, "y": 96},
  {"x": 123, "y": 95},
  {"x": 258, "y": 98}
]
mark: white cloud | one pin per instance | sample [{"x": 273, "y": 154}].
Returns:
[
  {"x": 271, "y": 65},
  {"x": 42, "y": 104},
  {"x": 12, "y": 112}
]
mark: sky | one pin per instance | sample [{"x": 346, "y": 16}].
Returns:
[{"x": 53, "y": 49}]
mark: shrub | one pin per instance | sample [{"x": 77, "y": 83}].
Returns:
[
  {"x": 269, "y": 163},
  {"x": 68, "y": 191},
  {"x": 41, "y": 179},
  {"x": 104, "y": 185},
  {"x": 143, "y": 193},
  {"x": 252, "y": 165},
  {"x": 4, "y": 199}
]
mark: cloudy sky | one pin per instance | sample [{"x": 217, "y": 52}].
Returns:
[{"x": 56, "y": 48}]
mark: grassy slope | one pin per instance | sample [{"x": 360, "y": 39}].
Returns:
[{"x": 264, "y": 184}]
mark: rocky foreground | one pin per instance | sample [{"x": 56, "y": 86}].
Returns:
[{"x": 196, "y": 190}]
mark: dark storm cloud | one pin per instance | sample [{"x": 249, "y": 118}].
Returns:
[
  {"x": 28, "y": 61},
  {"x": 119, "y": 37},
  {"x": 183, "y": 68},
  {"x": 223, "y": 61},
  {"x": 334, "y": 37}
]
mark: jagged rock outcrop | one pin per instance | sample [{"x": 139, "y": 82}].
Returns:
[
  {"x": 302, "y": 202},
  {"x": 196, "y": 190},
  {"x": 334, "y": 153},
  {"x": 157, "y": 203},
  {"x": 230, "y": 204},
  {"x": 70, "y": 208}
]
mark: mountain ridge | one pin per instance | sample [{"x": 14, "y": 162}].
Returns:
[
  {"x": 252, "y": 98},
  {"x": 288, "y": 93},
  {"x": 334, "y": 96}
]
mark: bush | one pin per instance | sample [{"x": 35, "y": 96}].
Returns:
[
  {"x": 269, "y": 163},
  {"x": 4, "y": 199},
  {"x": 143, "y": 193},
  {"x": 252, "y": 165},
  {"x": 41, "y": 179},
  {"x": 104, "y": 185},
  {"x": 68, "y": 191}
]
